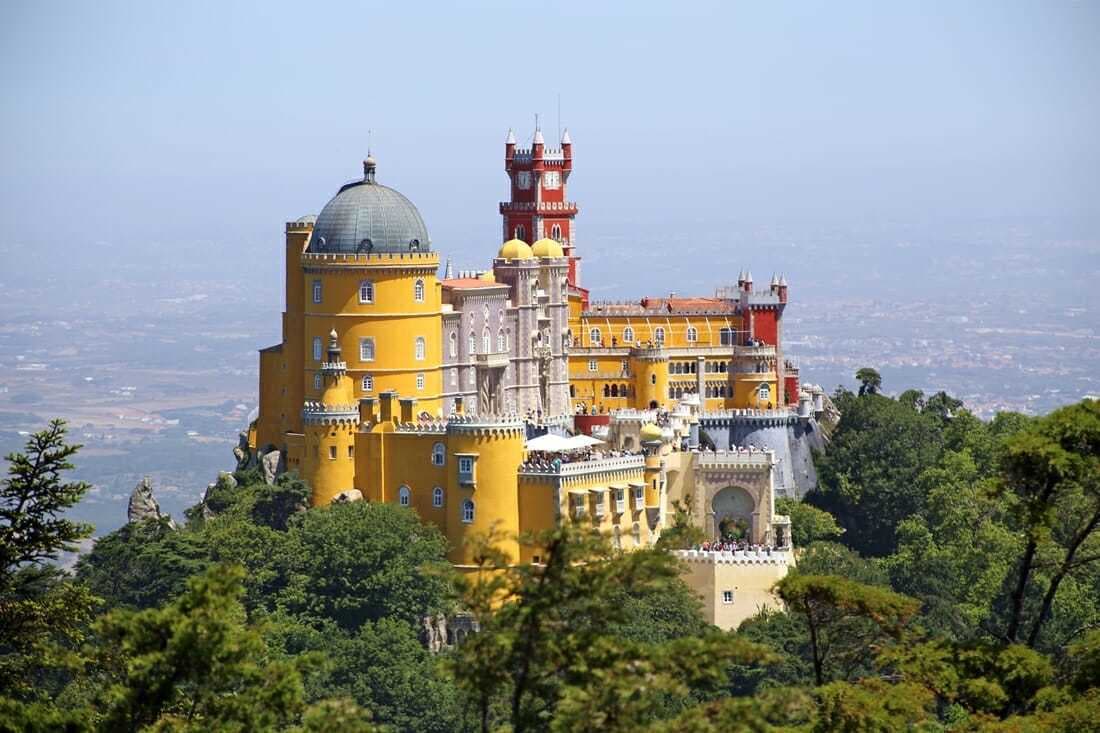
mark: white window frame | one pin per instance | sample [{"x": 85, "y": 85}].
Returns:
[
  {"x": 659, "y": 335},
  {"x": 420, "y": 381},
  {"x": 453, "y": 340},
  {"x": 692, "y": 334},
  {"x": 318, "y": 348},
  {"x": 502, "y": 342},
  {"x": 332, "y": 453},
  {"x": 437, "y": 497},
  {"x": 727, "y": 597},
  {"x": 366, "y": 292},
  {"x": 628, "y": 335},
  {"x": 595, "y": 337},
  {"x": 404, "y": 496},
  {"x": 468, "y": 510},
  {"x": 593, "y": 366},
  {"x": 420, "y": 348},
  {"x": 439, "y": 454},
  {"x": 368, "y": 383},
  {"x": 318, "y": 291},
  {"x": 639, "y": 497},
  {"x": 620, "y": 500},
  {"x": 486, "y": 341},
  {"x": 366, "y": 348},
  {"x": 418, "y": 290},
  {"x": 472, "y": 343},
  {"x": 317, "y": 380},
  {"x": 764, "y": 391}
]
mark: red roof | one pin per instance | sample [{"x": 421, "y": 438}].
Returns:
[{"x": 468, "y": 282}]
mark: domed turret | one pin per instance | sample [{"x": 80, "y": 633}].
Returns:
[
  {"x": 365, "y": 216},
  {"x": 650, "y": 432},
  {"x": 547, "y": 248},
  {"x": 515, "y": 249}
]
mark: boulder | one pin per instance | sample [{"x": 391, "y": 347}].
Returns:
[
  {"x": 272, "y": 465},
  {"x": 143, "y": 505},
  {"x": 346, "y": 497},
  {"x": 227, "y": 480}
]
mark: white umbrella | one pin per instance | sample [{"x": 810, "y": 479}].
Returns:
[
  {"x": 583, "y": 441},
  {"x": 550, "y": 443}
]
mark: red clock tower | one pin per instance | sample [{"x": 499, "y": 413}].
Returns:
[{"x": 538, "y": 207}]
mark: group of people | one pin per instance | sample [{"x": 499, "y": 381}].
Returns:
[
  {"x": 733, "y": 546},
  {"x": 544, "y": 459}
]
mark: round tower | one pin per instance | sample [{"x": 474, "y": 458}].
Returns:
[
  {"x": 650, "y": 378},
  {"x": 487, "y": 455},
  {"x": 329, "y": 425}
]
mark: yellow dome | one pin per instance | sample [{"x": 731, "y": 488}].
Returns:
[
  {"x": 515, "y": 249},
  {"x": 547, "y": 248},
  {"x": 488, "y": 276},
  {"x": 650, "y": 432}
]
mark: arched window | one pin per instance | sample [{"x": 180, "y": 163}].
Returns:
[
  {"x": 486, "y": 341},
  {"x": 467, "y": 511},
  {"x": 421, "y": 348},
  {"x": 765, "y": 392},
  {"x": 572, "y": 390},
  {"x": 366, "y": 349},
  {"x": 366, "y": 292},
  {"x": 721, "y": 367},
  {"x": 520, "y": 233},
  {"x": 502, "y": 342},
  {"x": 439, "y": 454},
  {"x": 404, "y": 496},
  {"x": 595, "y": 337},
  {"x": 472, "y": 346},
  {"x": 628, "y": 335},
  {"x": 659, "y": 335},
  {"x": 453, "y": 339},
  {"x": 606, "y": 391},
  {"x": 317, "y": 348},
  {"x": 555, "y": 232},
  {"x": 437, "y": 497},
  {"x": 418, "y": 290},
  {"x": 623, "y": 390},
  {"x": 614, "y": 390},
  {"x": 692, "y": 334},
  {"x": 368, "y": 383}
]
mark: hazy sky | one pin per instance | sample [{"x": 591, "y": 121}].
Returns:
[{"x": 153, "y": 122}]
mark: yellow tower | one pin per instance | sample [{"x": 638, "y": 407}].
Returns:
[
  {"x": 486, "y": 453},
  {"x": 329, "y": 426},
  {"x": 650, "y": 377}
]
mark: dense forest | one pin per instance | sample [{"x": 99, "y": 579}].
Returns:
[{"x": 948, "y": 580}]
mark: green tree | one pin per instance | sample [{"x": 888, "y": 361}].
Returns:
[
  {"x": 274, "y": 505},
  {"x": 194, "y": 665},
  {"x": 870, "y": 381},
  {"x": 684, "y": 532},
  {"x": 843, "y": 618},
  {"x": 808, "y": 523},
  {"x": 361, "y": 562},
  {"x": 544, "y": 658},
  {"x": 42, "y": 612},
  {"x": 1052, "y": 471},
  {"x": 867, "y": 478}
]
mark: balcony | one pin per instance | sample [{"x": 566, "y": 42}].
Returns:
[
  {"x": 493, "y": 360},
  {"x": 582, "y": 467}
]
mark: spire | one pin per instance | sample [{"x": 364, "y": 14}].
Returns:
[
  {"x": 448, "y": 273},
  {"x": 782, "y": 281},
  {"x": 775, "y": 280},
  {"x": 748, "y": 276},
  {"x": 538, "y": 137},
  {"x": 565, "y": 139},
  {"x": 511, "y": 139},
  {"x": 369, "y": 166}
]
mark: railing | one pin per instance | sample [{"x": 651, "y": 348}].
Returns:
[
  {"x": 556, "y": 207},
  {"x": 739, "y": 457},
  {"x": 576, "y": 468},
  {"x": 763, "y": 556}
]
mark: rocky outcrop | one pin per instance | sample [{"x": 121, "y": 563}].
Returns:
[
  {"x": 347, "y": 497},
  {"x": 143, "y": 505},
  {"x": 272, "y": 465},
  {"x": 434, "y": 634},
  {"x": 246, "y": 459}
]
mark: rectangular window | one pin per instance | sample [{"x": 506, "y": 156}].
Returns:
[
  {"x": 316, "y": 291},
  {"x": 332, "y": 452},
  {"x": 639, "y": 497},
  {"x": 465, "y": 470},
  {"x": 592, "y": 365},
  {"x": 420, "y": 381},
  {"x": 727, "y": 596},
  {"x": 317, "y": 348},
  {"x": 620, "y": 500},
  {"x": 368, "y": 383},
  {"x": 351, "y": 451},
  {"x": 317, "y": 380},
  {"x": 366, "y": 349}
]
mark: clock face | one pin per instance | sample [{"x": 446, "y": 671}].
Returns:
[{"x": 523, "y": 179}]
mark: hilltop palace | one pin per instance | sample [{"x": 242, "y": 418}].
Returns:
[{"x": 393, "y": 384}]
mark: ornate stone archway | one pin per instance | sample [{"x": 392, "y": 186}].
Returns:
[
  {"x": 735, "y": 506},
  {"x": 735, "y": 484}
]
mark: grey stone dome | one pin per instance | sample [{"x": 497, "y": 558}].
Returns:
[{"x": 365, "y": 216}]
